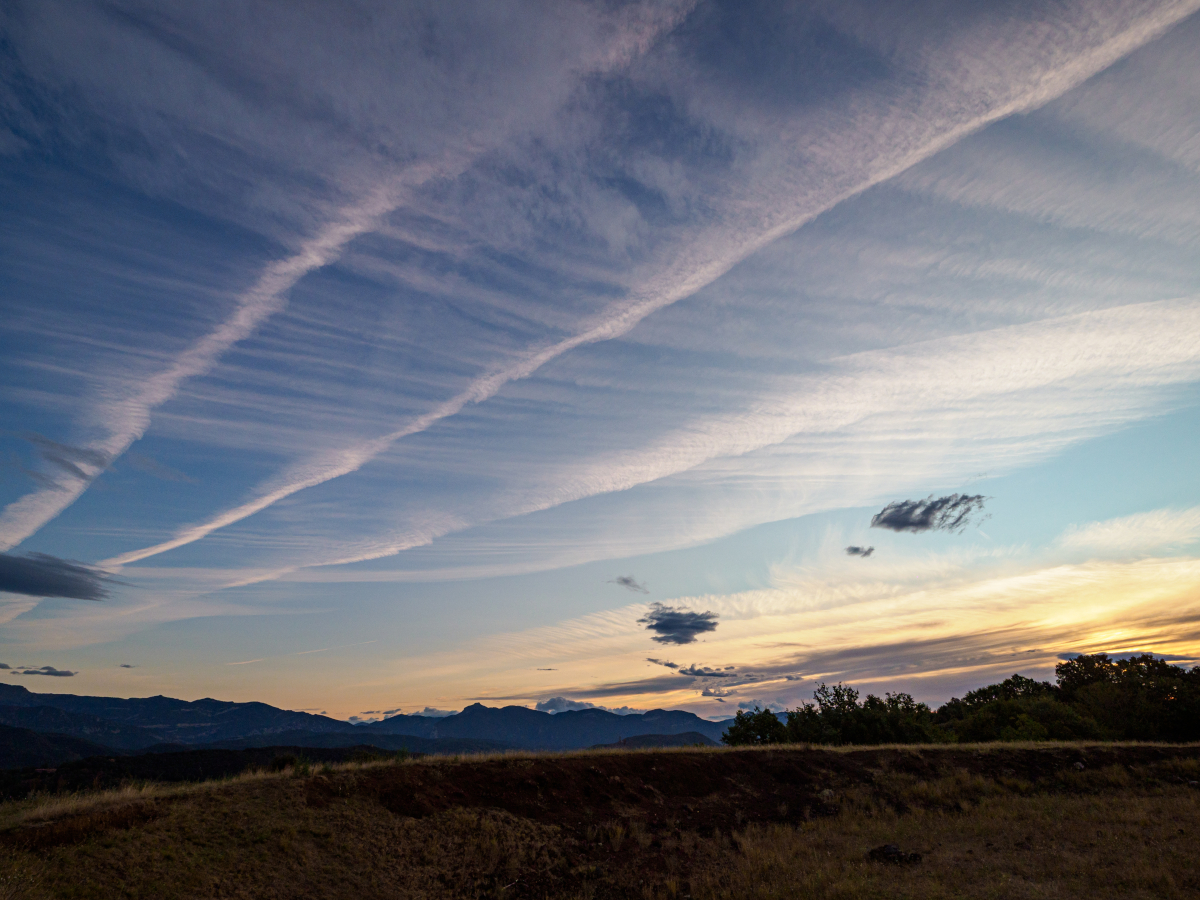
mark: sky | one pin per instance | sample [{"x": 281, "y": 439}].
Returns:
[{"x": 361, "y": 356}]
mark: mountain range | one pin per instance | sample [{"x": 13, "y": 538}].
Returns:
[{"x": 78, "y": 725}]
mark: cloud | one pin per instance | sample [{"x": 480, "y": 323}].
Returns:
[
  {"x": 127, "y": 666},
  {"x": 561, "y": 704},
  {"x": 717, "y": 692},
  {"x": 79, "y": 462},
  {"x": 662, "y": 662},
  {"x": 706, "y": 672},
  {"x": 547, "y": 670},
  {"x": 630, "y": 583},
  {"x": 41, "y": 575},
  {"x": 775, "y": 706},
  {"x": 951, "y": 513},
  {"x": 431, "y": 713},
  {"x": 47, "y": 670},
  {"x": 677, "y": 626},
  {"x": 992, "y": 81},
  {"x": 859, "y": 551},
  {"x": 1140, "y": 532}
]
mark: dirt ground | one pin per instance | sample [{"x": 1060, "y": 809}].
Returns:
[{"x": 994, "y": 821}]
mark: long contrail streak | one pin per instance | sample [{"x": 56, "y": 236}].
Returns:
[{"x": 682, "y": 279}]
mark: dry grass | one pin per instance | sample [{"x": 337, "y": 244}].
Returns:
[
  {"x": 1118, "y": 846},
  {"x": 1100, "y": 832}
]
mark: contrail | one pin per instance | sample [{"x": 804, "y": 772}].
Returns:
[
  {"x": 681, "y": 279},
  {"x": 129, "y": 417}
]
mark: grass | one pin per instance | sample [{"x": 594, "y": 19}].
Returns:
[{"x": 988, "y": 821}]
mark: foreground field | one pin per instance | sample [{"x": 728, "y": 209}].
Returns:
[{"x": 994, "y": 821}]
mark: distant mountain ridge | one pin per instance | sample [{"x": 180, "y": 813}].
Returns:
[
  {"x": 179, "y": 721},
  {"x": 163, "y": 723},
  {"x": 534, "y": 730}
]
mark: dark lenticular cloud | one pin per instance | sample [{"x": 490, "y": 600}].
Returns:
[
  {"x": 677, "y": 626},
  {"x": 40, "y": 575},
  {"x": 630, "y": 584},
  {"x": 706, "y": 672},
  {"x": 48, "y": 670},
  {"x": 952, "y": 513},
  {"x": 860, "y": 551},
  {"x": 79, "y": 462}
]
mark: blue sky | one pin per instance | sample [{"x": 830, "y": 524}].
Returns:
[{"x": 365, "y": 347}]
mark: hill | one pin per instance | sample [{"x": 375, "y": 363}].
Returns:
[
  {"x": 81, "y": 725},
  {"x": 1096, "y": 821},
  {"x": 20, "y": 747}
]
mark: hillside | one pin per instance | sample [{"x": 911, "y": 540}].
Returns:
[
  {"x": 21, "y": 747},
  {"x": 1098, "y": 821}
]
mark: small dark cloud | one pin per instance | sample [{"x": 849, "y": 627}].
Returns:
[
  {"x": 677, "y": 626},
  {"x": 630, "y": 584},
  {"x": 547, "y": 670},
  {"x": 40, "y": 575},
  {"x": 720, "y": 700},
  {"x": 860, "y": 551},
  {"x": 793, "y": 677},
  {"x": 662, "y": 662},
  {"x": 127, "y": 666},
  {"x": 706, "y": 672},
  {"x": 155, "y": 469},
  {"x": 5, "y": 666},
  {"x": 48, "y": 670},
  {"x": 952, "y": 513},
  {"x": 561, "y": 704},
  {"x": 717, "y": 692}
]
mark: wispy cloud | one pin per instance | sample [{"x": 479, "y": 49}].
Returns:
[
  {"x": 1160, "y": 529},
  {"x": 859, "y": 551},
  {"x": 126, "y": 409},
  {"x": 982, "y": 91}
]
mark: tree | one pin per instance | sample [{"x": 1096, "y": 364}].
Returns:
[{"x": 759, "y": 727}]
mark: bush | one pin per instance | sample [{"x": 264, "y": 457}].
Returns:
[{"x": 284, "y": 761}]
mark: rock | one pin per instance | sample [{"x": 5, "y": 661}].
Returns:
[
  {"x": 890, "y": 853},
  {"x": 826, "y": 795},
  {"x": 1079, "y": 767}
]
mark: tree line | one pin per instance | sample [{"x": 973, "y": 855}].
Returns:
[{"x": 1094, "y": 698}]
